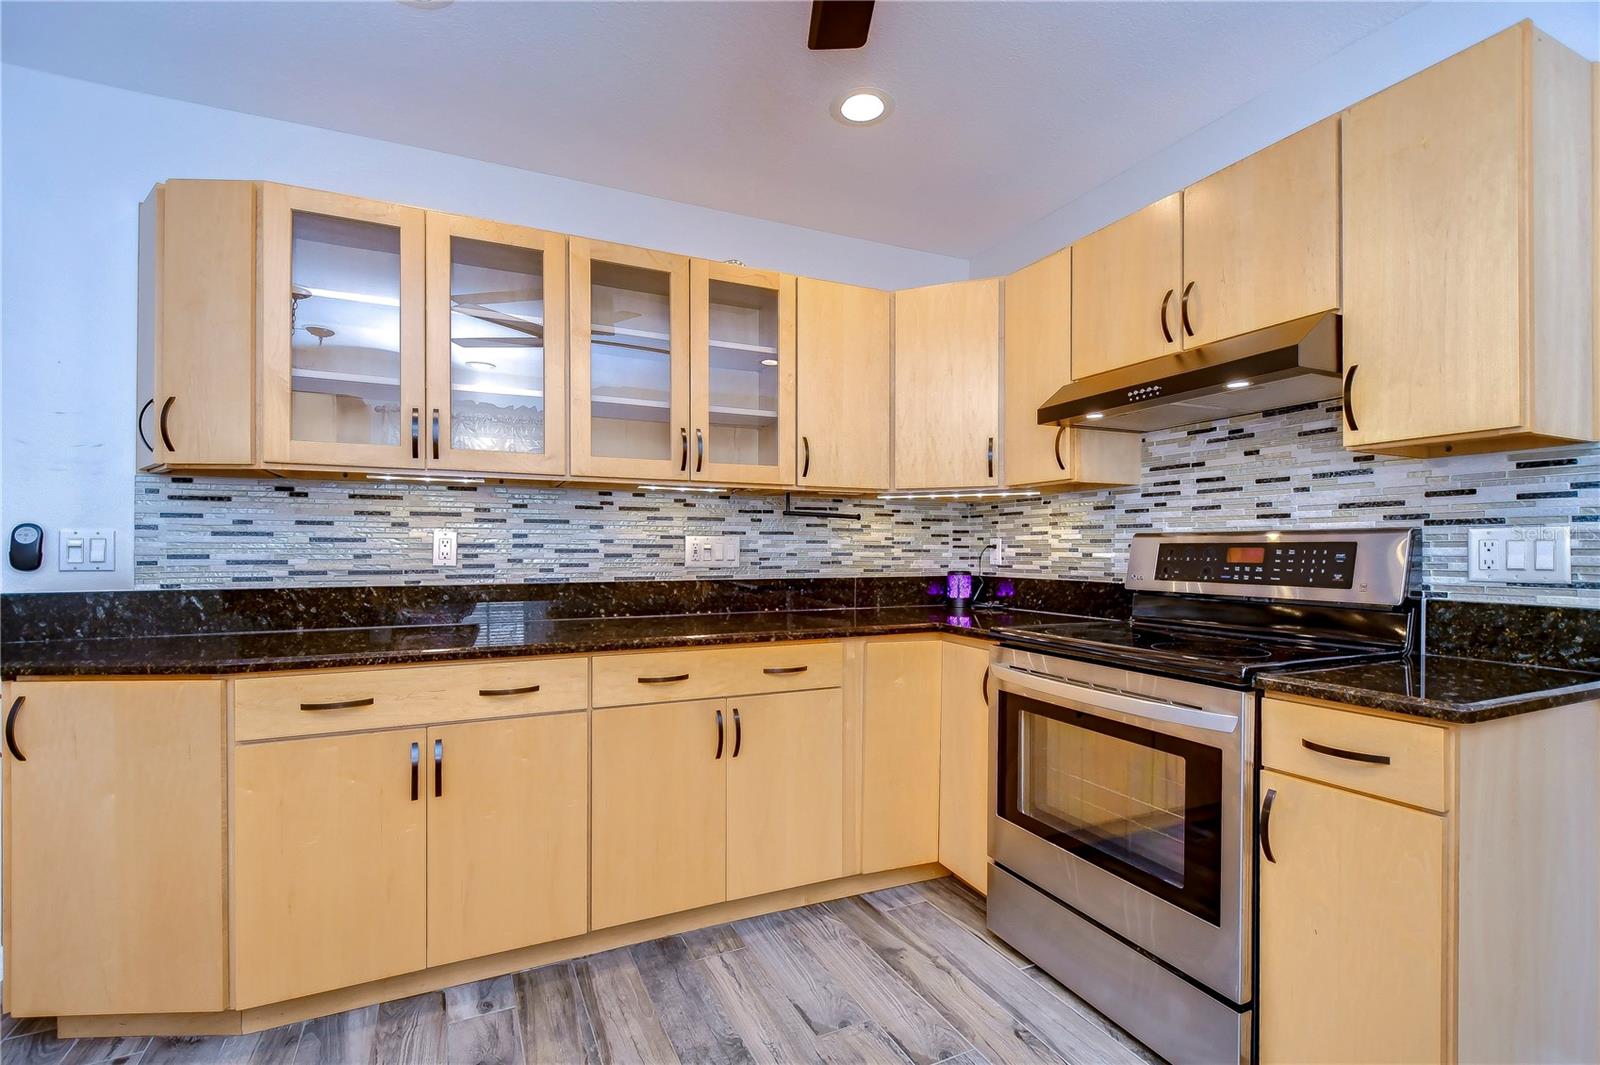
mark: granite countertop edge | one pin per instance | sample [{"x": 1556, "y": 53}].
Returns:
[{"x": 1466, "y": 711}]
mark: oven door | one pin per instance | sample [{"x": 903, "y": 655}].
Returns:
[{"x": 1123, "y": 796}]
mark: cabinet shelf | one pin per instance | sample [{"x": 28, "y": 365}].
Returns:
[
  {"x": 754, "y": 349},
  {"x": 498, "y": 390},
  {"x": 655, "y": 410},
  {"x": 639, "y": 339},
  {"x": 342, "y": 377}
]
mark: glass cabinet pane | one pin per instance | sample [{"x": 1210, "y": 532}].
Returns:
[
  {"x": 497, "y": 378},
  {"x": 743, "y": 385},
  {"x": 345, "y": 330},
  {"x": 630, "y": 362}
]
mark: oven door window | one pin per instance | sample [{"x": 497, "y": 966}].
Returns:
[{"x": 1138, "y": 803}]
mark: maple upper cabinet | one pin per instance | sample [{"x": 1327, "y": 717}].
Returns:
[
  {"x": 947, "y": 385},
  {"x": 341, "y": 330},
  {"x": 497, "y": 347},
  {"x": 1125, "y": 286},
  {"x": 1468, "y": 229},
  {"x": 629, "y": 324},
  {"x": 197, "y": 298},
  {"x": 1038, "y": 350},
  {"x": 844, "y": 408},
  {"x": 741, "y": 374},
  {"x": 1261, "y": 239}
]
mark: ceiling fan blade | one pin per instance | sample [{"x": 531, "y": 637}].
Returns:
[{"x": 839, "y": 24}]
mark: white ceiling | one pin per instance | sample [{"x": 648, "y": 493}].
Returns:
[{"x": 1004, "y": 111}]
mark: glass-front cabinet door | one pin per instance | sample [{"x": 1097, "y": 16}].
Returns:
[
  {"x": 341, "y": 322},
  {"x": 630, "y": 362},
  {"x": 497, "y": 315},
  {"x": 741, "y": 326}
]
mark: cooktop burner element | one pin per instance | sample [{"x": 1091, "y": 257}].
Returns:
[{"x": 1196, "y": 647}]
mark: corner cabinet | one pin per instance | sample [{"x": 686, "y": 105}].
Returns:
[
  {"x": 946, "y": 385},
  {"x": 844, "y": 411},
  {"x": 1468, "y": 254}
]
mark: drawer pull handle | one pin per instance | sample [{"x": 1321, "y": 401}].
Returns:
[
  {"x": 738, "y": 733},
  {"x": 664, "y": 680},
  {"x": 416, "y": 757},
  {"x": 529, "y": 690},
  {"x": 779, "y": 671},
  {"x": 348, "y": 704},
  {"x": 721, "y": 735},
  {"x": 1339, "y": 752},
  {"x": 1266, "y": 825},
  {"x": 11, "y": 729}
]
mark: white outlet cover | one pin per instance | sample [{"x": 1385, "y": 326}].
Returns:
[
  {"x": 444, "y": 547},
  {"x": 86, "y": 549}
]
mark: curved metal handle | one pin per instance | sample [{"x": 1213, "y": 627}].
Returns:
[
  {"x": 416, "y": 759},
  {"x": 416, "y": 432},
  {"x": 985, "y": 687},
  {"x": 1340, "y": 752},
  {"x": 1349, "y": 411},
  {"x": 1060, "y": 429},
  {"x": 663, "y": 680},
  {"x": 779, "y": 671},
  {"x": 1164, "y": 330},
  {"x": 438, "y": 769},
  {"x": 721, "y": 734},
  {"x": 738, "y": 733},
  {"x": 1266, "y": 825},
  {"x": 991, "y": 456},
  {"x": 699, "y": 450},
  {"x": 529, "y": 690},
  {"x": 166, "y": 409},
  {"x": 1183, "y": 308},
  {"x": 139, "y": 422},
  {"x": 348, "y": 704},
  {"x": 11, "y": 729},
  {"x": 436, "y": 434},
  {"x": 683, "y": 463},
  {"x": 805, "y": 468}
]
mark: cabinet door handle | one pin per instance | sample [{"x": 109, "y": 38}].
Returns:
[
  {"x": 348, "y": 704},
  {"x": 1340, "y": 752},
  {"x": 683, "y": 463},
  {"x": 436, "y": 434},
  {"x": 166, "y": 409},
  {"x": 1060, "y": 429},
  {"x": 1166, "y": 332},
  {"x": 528, "y": 690},
  {"x": 416, "y": 759},
  {"x": 1266, "y": 825},
  {"x": 805, "y": 467},
  {"x": 779, "y": 671},
  {"x": 663, "y": 680},
  {"x": 699, "y": 450},
  {"x": 985, "y": 687},
  {"x": 145, "y": 440},
  {"x": 11, "y": 729},
  {"x": 738, "y": 733},
  {"x": 1349, "y": 411},
  {"x": 416, "y": 432},
  {"x": 438, "y": 769},
  {"x": 721, "y": 733},
  {"x": 991, "y": 456},
  {"x": 1183, "y": 308}
]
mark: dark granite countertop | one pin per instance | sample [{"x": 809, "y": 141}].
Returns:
[
  {"x": 491, "y": 630},
  {"x": 1457, "y": 690}
]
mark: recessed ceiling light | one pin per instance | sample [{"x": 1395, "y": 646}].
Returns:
[
  {"x": 1094, "y": 415},
  {"x": 862, "y": 107},
  {"x": 1239, "y": 384},
  {"x": 769, "y": 362},
  {"x": 479, "y": 364}
]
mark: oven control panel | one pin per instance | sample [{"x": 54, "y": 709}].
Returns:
[{"x": 1305, "y": 564}]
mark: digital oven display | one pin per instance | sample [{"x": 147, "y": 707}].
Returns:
[
  {"x": 1253, "y": 555},
  {"x": 1325, "y": 564}
]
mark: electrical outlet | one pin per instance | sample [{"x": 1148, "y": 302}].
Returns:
[
  {"x": 710, "y": 552},
  {"x": 999, "y": 551},
  {"x": 1520, "y": 554},
  {"x": 444, "y": 547}
]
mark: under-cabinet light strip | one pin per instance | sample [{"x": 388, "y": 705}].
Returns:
[{"x": 960, "y": 495}]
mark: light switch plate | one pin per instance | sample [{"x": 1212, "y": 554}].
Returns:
[
  {"x": 710, "y": 552},
  {"x": 1520, "y": 554},
  {"x": 87, "y": 549}
]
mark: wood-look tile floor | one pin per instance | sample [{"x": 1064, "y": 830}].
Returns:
[{"x": 897, "y": 976}]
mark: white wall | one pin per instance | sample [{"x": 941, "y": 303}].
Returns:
[
  {"x": 77, "y": 159},
  {"x": 1411, "y": 43}
]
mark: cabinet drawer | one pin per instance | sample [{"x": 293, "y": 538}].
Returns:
[
  {"x": 351, "y": 700},
  {"x": 707, "y": 673},
  {"x": 1398, "y": 760}
]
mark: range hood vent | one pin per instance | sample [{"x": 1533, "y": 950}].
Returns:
[{"x": 1284, "y": 365}]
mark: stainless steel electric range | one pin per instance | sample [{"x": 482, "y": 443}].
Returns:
[{"x": 1123, "y": 768}]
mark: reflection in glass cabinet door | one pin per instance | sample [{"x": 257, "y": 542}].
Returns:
[{"x": 742, "y": 377}]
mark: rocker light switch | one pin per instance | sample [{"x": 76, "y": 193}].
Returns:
[{"x": 88, "y": 549}]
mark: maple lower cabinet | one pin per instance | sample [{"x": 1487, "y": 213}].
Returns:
[
  {"x": 508, "y": 834},
  {"x": 785, "y": 790},
  {"x": 330, "y": 863},
  {"x": 964, "y": 762},
  {"x": 1261, "y": 239},
  {"x": 1468, "y": 292},
  {"x": 1038, "y": 361},
  {"x": 1125, "y": 286},
  {"x": 115, "y": 848},
  {"x": 659, "y": 815},
  {"x": 947, "y": 385},
  {"x": 844, "y": 406},
  {"x": 900, "y": 733}
]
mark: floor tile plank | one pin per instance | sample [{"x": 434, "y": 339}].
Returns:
[
  {"x": 109, "y": 1049},
  {"x": 718, "y": 939},
  {"x": 861, "y": 1044},
  {"x": 18, "y": 1026},
  {"x": 626, "y": 1027},
  {"x": 554, "y": 1024},
  {"x": 201, "y": 1050},
  {"x": 277, "y": 1046},
  {"x": 350, "y": 1038},
  {"x": 968, "y": 907},
  {"x": 690, "y": 1012},
  {"x": 411, "y": 1030},
  {"x": 770, "y": 1025},
  {"x": 890, "y": 898},
  {"x": 465, "y": 1001},
  {"x": 799, "y": 975},
  {"x": 484, "y": 1039},
  {"x": 41, "y": 1049}
]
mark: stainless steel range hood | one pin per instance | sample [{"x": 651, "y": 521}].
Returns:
[{"x": 1296, "y": 362}]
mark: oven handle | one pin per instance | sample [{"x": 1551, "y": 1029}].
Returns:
[{"x": 1089, "y": 700}]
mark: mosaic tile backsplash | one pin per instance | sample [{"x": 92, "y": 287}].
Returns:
[{"x": 1282, "y": 468}]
